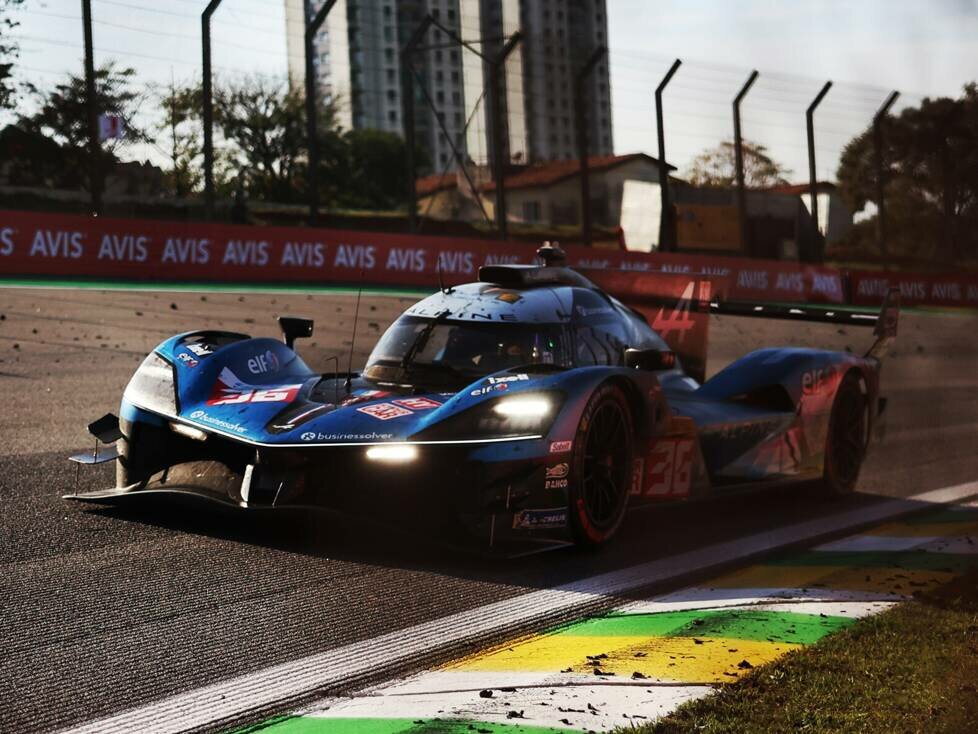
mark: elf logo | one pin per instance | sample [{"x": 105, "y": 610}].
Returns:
[{"x": 263, "y": 363}]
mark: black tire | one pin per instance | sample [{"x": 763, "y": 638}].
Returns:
[
  {"x": 602, "y": 467},
  {"x": 845, "y": 445}
]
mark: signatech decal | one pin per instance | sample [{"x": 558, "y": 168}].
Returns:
[
  {"x": 201, "y": 350},
  {"x": 540, "y": 519},
  {"x": 555, "y": 477}
]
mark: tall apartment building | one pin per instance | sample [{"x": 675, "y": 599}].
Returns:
[{"x": 359, "y": 68}]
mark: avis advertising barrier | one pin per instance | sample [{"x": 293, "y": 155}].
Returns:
[
  {"x": 63, "y": 245},
  {"x": 38, "y": 244}
]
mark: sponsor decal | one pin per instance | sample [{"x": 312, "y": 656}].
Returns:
[
  {"x": 555, "y": 517},
  {"x": 263, "y": 363},
  {"x": 815, "y": 382},
  {"x": 560, "y": 447},
  {"x": 229, "y": 390},
  {"x": 503, "y": 379},
  {"x": 315, "y": 436},
  {"x": 488, "y": 389},
  {"x": 203, "y": 417},
  {"x": 418, "y": 403},
  {"x": 509, "y": 297},
  {"x": 384, "y": 411},
  {"x": 556, "y": 476},
  {"x": 187, "y": 360},
  {"x": 201, "y": 350}
]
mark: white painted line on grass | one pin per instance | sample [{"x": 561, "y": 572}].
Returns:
[{"x": 343, "y": 666}]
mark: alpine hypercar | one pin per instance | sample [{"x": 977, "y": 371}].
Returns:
[{"x": 532, "y": 407}]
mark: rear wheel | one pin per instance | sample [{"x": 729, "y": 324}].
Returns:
[
  {"x": 602, "y": 467},
  {"x": 845, "y": 445}
]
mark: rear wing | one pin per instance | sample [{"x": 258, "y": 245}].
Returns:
[{"x": 678, "y": 307}]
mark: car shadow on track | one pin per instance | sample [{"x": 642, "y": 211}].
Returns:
[{"x": 650, "y": 534}]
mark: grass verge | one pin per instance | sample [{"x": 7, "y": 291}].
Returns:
[{"x": 913, "y": 668}]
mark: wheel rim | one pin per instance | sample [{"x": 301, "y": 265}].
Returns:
[
  {"x": 605, "y": 470},
  {"x": 848, "y": 442}
]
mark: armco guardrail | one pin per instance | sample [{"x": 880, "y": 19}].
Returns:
[{"x": 36, "y": 244}]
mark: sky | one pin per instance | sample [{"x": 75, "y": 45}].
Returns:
[{"x": 866, "y": 47}]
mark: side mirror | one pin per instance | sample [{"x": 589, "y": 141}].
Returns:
[
  {"x": 651, "y": 360},
  {"x": 294, "y": 327}
]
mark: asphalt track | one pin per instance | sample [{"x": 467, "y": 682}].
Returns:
[{"x": 104, "y": 610}]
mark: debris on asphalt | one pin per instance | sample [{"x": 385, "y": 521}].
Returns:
[
  {"x": 515, "y": 715},
  {"x": 638, "y": 676},
  {"x": 173, "y": 307},
  {"x": 744, "y": 665},
  {"x": 487, "y": 693}
]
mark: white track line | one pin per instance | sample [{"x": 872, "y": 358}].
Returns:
[{"x": 343, "y": 666}]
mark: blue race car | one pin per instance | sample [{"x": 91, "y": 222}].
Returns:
[{"x": 531, "y": 408}]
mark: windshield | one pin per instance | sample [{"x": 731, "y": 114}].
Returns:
[{"x": 463, "y": 349}]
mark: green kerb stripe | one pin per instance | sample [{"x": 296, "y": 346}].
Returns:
[
  {"x": 739, "y": 624},
  {"x": 913, "y": 560}
]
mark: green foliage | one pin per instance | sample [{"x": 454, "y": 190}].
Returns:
[
  {"x": 62, "y": 119},
  {"x": 930, "y": 160},
  {"x": 378, "y": 169},
  {"x": 180, "y": 134},
  {"x": 263, "y": 127},
  {"x": 716, "y": 167},
  {"x": 9, "y": 51}
]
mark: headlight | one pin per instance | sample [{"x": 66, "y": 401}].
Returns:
[
  {"x": 525, "y": 414},
  {"x": 152, "y": 386},
  {"x": 522, "y": 407},
  {"x": 394, "y": 454}
]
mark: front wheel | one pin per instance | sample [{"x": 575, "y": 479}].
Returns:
[
  {"x": 845, "y": 445},
  {"x": 602, "y": 465}
]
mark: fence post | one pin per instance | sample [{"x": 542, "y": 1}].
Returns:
[
  {"x": 582, "y": 139},
  {"x": 881, "y": 173},
  {"x": 499, "y": 128},
  {"x": 205, "y": 27},
  {"x": 739, "y": 163},
  {"x": 812, "y": 173},
  {"x": 91, "y": 110},
  {"x": 667, "y": 238},
  {"x": 407, "y": 112},
  {"x": 312, "y": 117}
]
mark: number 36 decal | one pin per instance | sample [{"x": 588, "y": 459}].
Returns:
[{"x": 666, "y": 472}]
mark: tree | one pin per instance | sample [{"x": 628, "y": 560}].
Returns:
[
  {"x": 180, "y": 134},
  {"x": 717, "y": 167},
  {"x": 263, "y": 128},
  {"x": 930, "y": 162},
  {"x": 63, "y": 118},
  {"x": 378, "y": 168},
  {"x": 9, "y": 51}
]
